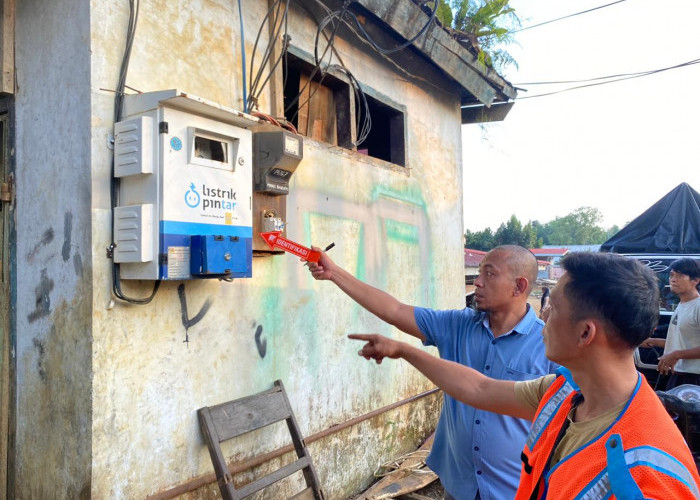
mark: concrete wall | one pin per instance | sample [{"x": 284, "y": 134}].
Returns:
[
  {"x": 54, "y": 270},
  {"x": 119, "y": 379}
]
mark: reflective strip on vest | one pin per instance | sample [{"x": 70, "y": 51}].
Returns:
[
  {"x": 643, "y": 456},
  {"x": 547, "y": 413}
]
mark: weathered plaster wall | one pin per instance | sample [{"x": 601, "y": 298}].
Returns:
[
  {"x": 397, "y": 230},
  {"x": 54, "y": 278}
]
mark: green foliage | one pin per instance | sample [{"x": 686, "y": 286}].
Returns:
[
  {"x": 580, "y": 227},
  {"x": 510, "y": 233},
  {"x": 444, "y": 13},
  {"x": 514, "y": 233},
  {"x": 487, "y": 24},
  {"x": 479, "y": 240}
]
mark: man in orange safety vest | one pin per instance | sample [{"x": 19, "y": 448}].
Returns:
[{"x": 598, "y": 429}]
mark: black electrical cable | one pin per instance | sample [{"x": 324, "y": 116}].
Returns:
[
  {"x": 363, "y": 118},
  {"x": 566, "y": 17},
  {"x": 114, "y": 183},
  {"x": 382, "y": 50},
  {"x": 268, "y": 52},
  {"x": 340, "y": 15},
  {"x": 318, "y": 61},
  {"x": 648, "y": 73},
  {"x": 277, "y": 26},
  {"x": 608, "y": 77}
]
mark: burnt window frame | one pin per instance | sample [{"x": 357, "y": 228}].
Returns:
[
  {"x": 298, "y": 62},
  {"x": 389, "y": 118}
]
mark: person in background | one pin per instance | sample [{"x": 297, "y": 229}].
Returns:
[
  {"x": 681, "y": 358},
  {"x": 475, "y": 453},
  {"x": 598, "y": 429}
]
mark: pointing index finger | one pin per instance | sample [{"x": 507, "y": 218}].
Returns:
[{"x": 361, "y": 336}]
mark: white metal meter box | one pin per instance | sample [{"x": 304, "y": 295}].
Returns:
[{"x": 185, "y": 189}]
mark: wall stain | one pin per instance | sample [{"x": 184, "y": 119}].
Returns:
[
  {"x": 78, "y": 264},
  {"x": 43, "y": 300},
  {"x": 40, "y": 347},
  {"x": 67, "y": 235},
  {"x": 260, "y": 342},
  {"x": 186, "y": 321},
  {"x": 46, "y": 238},
  {"x": 55, "y": 402}
]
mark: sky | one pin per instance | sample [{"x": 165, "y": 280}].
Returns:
[{"x": 618, "y": 147}]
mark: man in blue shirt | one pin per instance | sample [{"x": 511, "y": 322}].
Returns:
[{"x": 476, "y": 454}]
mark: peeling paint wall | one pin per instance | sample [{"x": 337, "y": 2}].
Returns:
[
  {"x": 54, "y": 276},
  {"x": 120, "y": 379}
]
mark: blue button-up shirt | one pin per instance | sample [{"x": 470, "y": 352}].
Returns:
[{"x": 475, "y": 449}]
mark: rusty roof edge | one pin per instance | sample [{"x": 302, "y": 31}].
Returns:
[{"x": 445, "y": 52}]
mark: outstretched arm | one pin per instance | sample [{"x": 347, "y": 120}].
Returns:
[
  {"x": 459, "y": 381},
  {"x": 379, "y": 303}
]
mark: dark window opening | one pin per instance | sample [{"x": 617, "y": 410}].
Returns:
[
  {"x": 386, "y": 139},
  {"x": 320, "y": 108}
]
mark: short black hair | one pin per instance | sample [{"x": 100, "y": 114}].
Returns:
[
  {"x": 617, "y": 290},
  {"x": 689, "y": 267}
]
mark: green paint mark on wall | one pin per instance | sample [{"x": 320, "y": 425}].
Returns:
[
  {"x": 411, "y": 194},
  {"x": 407, "y": 233}
]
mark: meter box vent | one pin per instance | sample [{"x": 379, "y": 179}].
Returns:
[
  {"x": 133, "y": 151},
  {"x": 132, "y": 235}
]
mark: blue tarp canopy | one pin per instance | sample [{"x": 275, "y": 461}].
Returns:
[{"x": 671, "y": 225}]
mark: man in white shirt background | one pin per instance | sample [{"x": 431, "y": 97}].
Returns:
[{"x": 681, "y": 358}]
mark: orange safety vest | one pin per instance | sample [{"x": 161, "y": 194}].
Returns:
[{"x": 641, "y": 455}]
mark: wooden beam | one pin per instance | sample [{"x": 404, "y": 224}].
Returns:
[
  {"x": 7, "y": 46},
  {"x": 482, "y": 114},
  {"x": 404, "y": 18}
]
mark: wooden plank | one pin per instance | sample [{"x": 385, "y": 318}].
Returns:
[
  {"x": 400, "y": 482},
  {"x": 317, "y": 130},
  {"x": 244, "y": 415},
  {"x": 303, "y": 113},
  {"x": 223, "y": 476},
  {"x": 273, "y": 477},
  {"x": 322, "y": 109},
  {"x": 7, "y": 46}
]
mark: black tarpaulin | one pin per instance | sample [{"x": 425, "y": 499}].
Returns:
[{"x": 671, "y": 225}]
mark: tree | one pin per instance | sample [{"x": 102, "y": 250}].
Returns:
[
  {"x": 486, "y": 24},
  {"x": 514, "y": 233},
  {"x": 511, "y": 233},
  {"x": 479, "y": 240},
  {"x": 580, "y": 227}
]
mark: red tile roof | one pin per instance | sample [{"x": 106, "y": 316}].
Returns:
[{"x": 472, "y": 258}]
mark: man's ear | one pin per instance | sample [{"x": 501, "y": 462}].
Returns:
[
  {"x": 521, "y": 286},
  {"x": 587, "y": 333}
]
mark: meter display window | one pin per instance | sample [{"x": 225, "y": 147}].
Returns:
[{"x": 212, "y": 150}]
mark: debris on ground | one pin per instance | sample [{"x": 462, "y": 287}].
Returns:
[{"x": 406, "y": 475}]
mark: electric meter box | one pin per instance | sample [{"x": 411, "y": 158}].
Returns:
[{"x": 185, "y": 189}]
